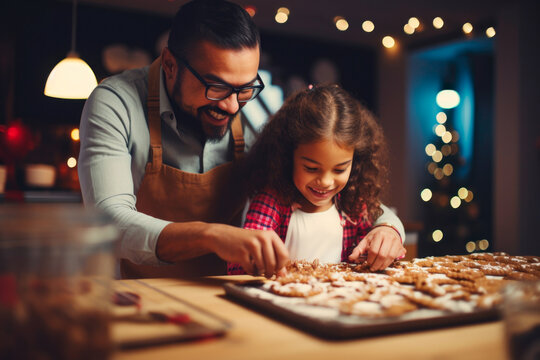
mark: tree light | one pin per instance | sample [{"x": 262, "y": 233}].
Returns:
[{"x": 448, "y": 99}]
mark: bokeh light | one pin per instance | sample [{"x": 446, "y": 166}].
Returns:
[
  {"x": 438, "y": 22},
  {"x": 426, "y": 194},
  {"x": 437, "y": 235},
  {"x": 368, "y": 26},
  {"x": 388, "y": 42}
]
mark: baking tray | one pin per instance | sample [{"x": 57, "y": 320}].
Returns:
[{"x": 330, "y": 324}]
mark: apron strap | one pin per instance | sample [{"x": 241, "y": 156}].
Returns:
[
  {"x": 238, "y": 137},
  {"x": 154, "y": 118}
]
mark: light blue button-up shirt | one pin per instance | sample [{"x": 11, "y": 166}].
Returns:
[{"x": 115, "y": 144}]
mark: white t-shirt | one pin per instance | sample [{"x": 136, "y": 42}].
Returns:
[{"x": 313, "y": 236}]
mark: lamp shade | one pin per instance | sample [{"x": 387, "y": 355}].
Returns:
[
  {"x": 448, "y": 99},
  {"x": 71, "y": 78}
]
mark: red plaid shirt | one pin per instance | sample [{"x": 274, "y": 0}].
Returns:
[{"x": 267, "y": 213}]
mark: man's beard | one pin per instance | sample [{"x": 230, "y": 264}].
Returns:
[{"x": 201, "y": 129}]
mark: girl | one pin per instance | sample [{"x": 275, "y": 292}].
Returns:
[{"x": 317, "y": 173}]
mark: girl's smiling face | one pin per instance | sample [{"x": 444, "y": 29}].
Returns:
[{"x": 320, "y": 171}]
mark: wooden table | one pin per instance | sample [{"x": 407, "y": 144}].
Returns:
[{"x": 256, "y": 336}]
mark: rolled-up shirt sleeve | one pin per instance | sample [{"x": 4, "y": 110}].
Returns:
[
  {"x": 390, "y": 218},
  {"x": 110, "y": 169}
]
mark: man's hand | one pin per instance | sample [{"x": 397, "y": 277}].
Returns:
[
  {"x": 382, "y": 245},
  {"x": 260, "y": 252}
]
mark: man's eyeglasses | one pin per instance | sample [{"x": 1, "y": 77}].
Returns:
[{"x": 223, "y": 91}]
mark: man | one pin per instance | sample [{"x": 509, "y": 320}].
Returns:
[{"x": 172, "y": 204}]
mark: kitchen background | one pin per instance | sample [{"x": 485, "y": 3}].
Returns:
[{"x": 463, "y": 179}]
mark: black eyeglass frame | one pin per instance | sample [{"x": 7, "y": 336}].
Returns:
[{"x": 256, "y": 88}]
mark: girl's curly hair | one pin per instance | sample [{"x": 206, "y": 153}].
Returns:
[{"x": 323, "y": 112}]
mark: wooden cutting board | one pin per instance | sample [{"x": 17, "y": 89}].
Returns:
[{"x": 133, "y": 329}]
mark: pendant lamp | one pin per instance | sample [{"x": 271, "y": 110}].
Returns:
[{"x": 71, "y": 78}]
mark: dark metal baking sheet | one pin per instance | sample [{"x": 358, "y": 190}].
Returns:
[{"x": 350, "y": 326}]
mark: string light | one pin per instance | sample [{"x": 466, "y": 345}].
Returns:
[
  {"x": 463, "y": 193},
  {"x": 490, "y": 32},
  {"x": 341, "y": 23},
  {"x": 368, "y": 26},
  {"x": 455, "y": 202},
  {"x": 483, "y": 244},
  {"x": 446, "y": 150},
  {"x": 283, "y": 10},
  {"x": 448, "y": 169},
  {"x": 414, "y": 22},
  {"x": 467, "y": 28},
  {"x": 437, "y": 235},
  {"x": 426, "y": 194},
  {"x": 430, "y": 149},
  {"x": 446, "y": 137},
  {"x": 440, "y": 130},
  {"x": 408, "y": 29},
  {"x": 441, "y": 117},
  {"x": 388, "y": 42},
  {"x": 71, "y": 162},
  {"x": 470, "y": 247},
  {"x": 438, "y": 23},
  {"x": 281, "y": 18},
  {"x": 282, "y": 15},
  {"x": 75, "y": 134},
  {"x": 437, "y": 156}
]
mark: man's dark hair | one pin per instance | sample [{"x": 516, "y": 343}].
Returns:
[{"x": 223, "y": 23}]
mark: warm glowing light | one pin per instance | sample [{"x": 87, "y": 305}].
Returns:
[
  {"x": 283, "y": 10},
  {"x": 471, "y": 246},
  {"x": 342, "y": 24},
  {"x": 440, "y": 130},
  {"x": 426, "y": 194},
  {"x": 251, "y": 10},
  {"x": 441, "y": 117},
  {"x": 448, "y": 169},
  {"x": 71, "y": 162},
  {"x": 448, "y": 99},
  {"x": 483, "y": 244},
  {"x": 388, "y": 42},
  {"x": 431, "y": 167},
  {"x": 467, "y": 28},
  {"x": 281, "y": 18},
  {"x": 455, "y": 136},
  {"x": 437, "y": 156},
  {"x": 446, "y": 137},
  {"x": 408, "y": 29},
  {"x": 75, "y": 134},
  {"x": 455, "y": 202},
  {"x": 368, "y": 26},
  {"x": 490, "y": 32},
  {"x": 438, "y": 23},
  {"x": 430, "y": 149},
  {"x": 463, "y": 192},
  {"x": 71, "y": 78},
  {"x": 438, "y": 174},
  {"x": 414, "y": 22},
  {"x": 446, "y": 150},
  {"x": 437, "y": 235},
  {"x": 470, "y": 196}
]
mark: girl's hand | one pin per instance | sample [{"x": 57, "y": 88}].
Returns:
[{"x": 382, "y": 245}]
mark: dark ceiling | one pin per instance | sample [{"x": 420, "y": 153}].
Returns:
[{"x": 314, "y": 18}]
